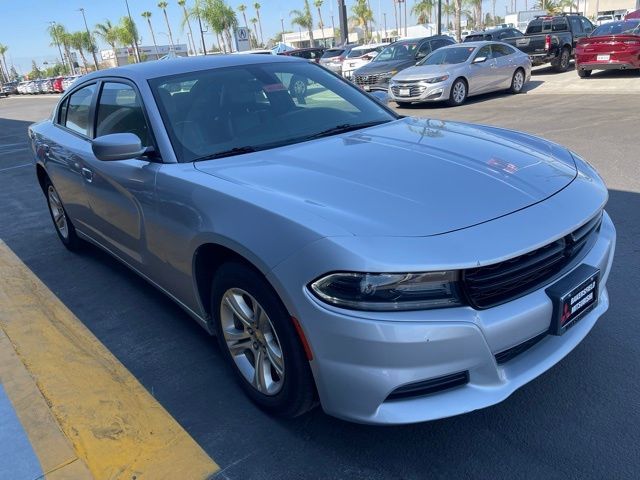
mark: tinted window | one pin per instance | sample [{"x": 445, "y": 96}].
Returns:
[
  {"x": 576, "y": 24},
  {"x": 484, "y": 52},
  {"x": 440, "y": 42},
  {"x": 77, "y": 118},
  {"x": 616, "y": 28},
  {"x": 397, "y": 51},
  {"x": 424, "y": 50},
  {"x": 559, "y": 25},
  {"x": 333, "y": 53},
  {"x": 586, "y": 25},
  {"x": 500, "y": 50},
  {"x": 359, "y": 52},
  {"x": 120, "y": 111},
  {"x": 476, "y": 37},
  {"x": 260, "y": 106}
]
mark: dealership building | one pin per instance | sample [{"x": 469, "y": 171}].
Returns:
[{"x": 147, "y": 53}]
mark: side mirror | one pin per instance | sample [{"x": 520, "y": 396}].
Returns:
[
  {"x": 479, "y": 60},
  {"x": 117, "y": 146},
  {"x": 380, "y": 96}
]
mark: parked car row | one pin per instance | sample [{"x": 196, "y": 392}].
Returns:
[{"x": 45, "y": 85}]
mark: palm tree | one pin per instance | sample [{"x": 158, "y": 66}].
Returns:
[
  {"x": 254, "y": 21},
  {"x": 476, "y": 8},
  {"x": 362, "y": 16},
  {"x": 457, "y": 13},
  {"x": 147, "y": 17},
  {"x": 422, "y": 10},
  {"x": 221, "y": 18},
  {"x": 257, "y": 6},
  {"x": 109, "y": 34},
  {"x": 127, "y": 32},
  {"x": 78, "y": 43},
  {"x": 304, "y": 19},
  {"x": 183, "y": 4},
  {"x": 242, "y": 8},
  {"x": 163, "y": 6},
  {"x": 318, "y": 5},
  {"x": 4, "y": 70}
]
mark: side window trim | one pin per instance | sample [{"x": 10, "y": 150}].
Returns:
[
  {"x": 92, "y": 108},
  {"x": 152, "y": 137}
]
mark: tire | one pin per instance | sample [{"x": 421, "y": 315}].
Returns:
[
  {"x": 237, "y": 287},
  {"x": 584, "y": 73},
  {"x": 403, "y": 104},
  {"x": 517, "y": 82},
  {"x": 562, "y": 63},
  {"x": 458, "y": 93},
  {"x": 61, "y": 222}
]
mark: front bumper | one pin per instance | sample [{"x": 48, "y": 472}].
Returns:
[
  {"x": 419, "y": 91},
  {"x": 360, "y": 358}
]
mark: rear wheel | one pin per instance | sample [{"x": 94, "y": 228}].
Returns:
[
  {"x": 584, "y": 73},
  {"x": 458, "y": 93},
  {"x": 64, "y": 228},
  {"x": 517, "y": 82},
  {"x": 259, "y": 340},
  {"x": 562, "y": 62}
]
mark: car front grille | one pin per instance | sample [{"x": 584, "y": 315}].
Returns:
[
  {"x": 368, "y": 79},
  {"x": 414, "y": 90},
  {"x": 499, "y": 283}
]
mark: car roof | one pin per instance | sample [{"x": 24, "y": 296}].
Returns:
[
  {"x": 370, "y": 45},
  {"x": 154, "y": 69}
]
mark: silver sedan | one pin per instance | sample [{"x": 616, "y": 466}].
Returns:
[
  {"x": 394, "y": 269},
  {"x": 456, "y": 72}
]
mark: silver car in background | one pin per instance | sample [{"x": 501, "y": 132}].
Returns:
[
  {"x": 395, "y": 269},
  {"x": 456, "y": 72}
]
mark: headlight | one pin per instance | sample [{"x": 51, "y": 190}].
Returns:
[
  {"x": 388, "y": 291},
  {"x": 437, "y": 79}
]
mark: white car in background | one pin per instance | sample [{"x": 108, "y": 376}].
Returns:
[{"x": 360, "y": 56}]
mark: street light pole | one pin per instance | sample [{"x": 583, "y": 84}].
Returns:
[
  {"x": 93, "y": 47},
  {"x": 135, "y": 40},
  {"x": 204, "y": 46},
  {"x": 439, "y": 17}
]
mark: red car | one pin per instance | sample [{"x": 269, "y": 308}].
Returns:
[
  {"x": 613, "y": 45},
  {"x": 57, "y": 85}
]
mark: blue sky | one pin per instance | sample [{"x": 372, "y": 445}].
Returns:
[{"x": 23, "y": 23}]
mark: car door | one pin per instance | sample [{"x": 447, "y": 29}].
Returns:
[
  {"x": 121, "y": 193},
  {"x": 63, "y": 152},
  {"x": 482, "y": 73},
  {"x": 503, "y": 55}
]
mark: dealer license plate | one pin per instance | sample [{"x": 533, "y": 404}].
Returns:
[
  {"x": 404, "y": 92},
  {"x": 573, "y": 297},
  {"x": 603, "y": 58}
]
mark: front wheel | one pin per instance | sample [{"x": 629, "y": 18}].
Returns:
[
  {"x": 458, "y": 93},
  {"x": 259, "y": 340},
  {"x": 584, "y": 73},
  {"x": 517, "y": 82}
]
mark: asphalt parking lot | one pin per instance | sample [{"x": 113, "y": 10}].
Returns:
[{"x": 580, "y": 420}]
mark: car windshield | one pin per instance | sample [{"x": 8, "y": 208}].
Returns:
[
  {"x": 232, "y": 110},
  {"x": 332, "y": 53},
  {"x": 448, "y": 56},
  {"x": 618, "y": 28},
  {"x": 397, "y": 51}
]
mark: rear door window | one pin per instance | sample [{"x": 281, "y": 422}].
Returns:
[{"x": 79, "y": 109}]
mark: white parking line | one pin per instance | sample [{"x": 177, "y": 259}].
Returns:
[{"x": 16, "y": 166}]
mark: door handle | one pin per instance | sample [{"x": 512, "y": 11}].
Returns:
[{"x": 87, "y": 174}]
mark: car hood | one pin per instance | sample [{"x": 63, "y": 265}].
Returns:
[
  {"x": 374, "y": 67},
  {"x": 410, "y": 177},
  {"x": 425, "y": 71}
]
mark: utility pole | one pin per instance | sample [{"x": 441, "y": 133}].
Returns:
[
  {"x": 405, "y": 17},
  {"x": 439, "y": 30},
  {"x": 135, "y": 40},
  {"x": 93, "y": 47},
  {"x": 282, "y": 25},
  {"x": 344, "y": 26},
  {"x": 204, "y": 46},
  {"x": 385, "y": 25}
]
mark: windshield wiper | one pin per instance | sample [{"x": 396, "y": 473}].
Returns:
[
  {"x": 228, "y": 153},
  {"x": 344, "y": 128}
]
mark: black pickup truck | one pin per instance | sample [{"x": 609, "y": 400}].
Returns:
[{"x": 552, "y": 39}]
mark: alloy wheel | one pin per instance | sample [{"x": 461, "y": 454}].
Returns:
[
  {"x": 252, "y": 341},
  {"x": 459, "y": 92},
  {"x": 57, "y": 211},
  {"x": 518, "y": 81}
]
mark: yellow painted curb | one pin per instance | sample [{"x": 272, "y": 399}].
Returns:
[{"x": 115, "y": 426}]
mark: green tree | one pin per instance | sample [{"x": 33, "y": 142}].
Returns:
[
  {"x": 257, "y": 7},
  {"x": 422, "y": 10},
  {"x": 110, "y": 34},
  {"x": 254, "y": 22},
  {"x": 35, "y": 71},
  {"x": 221, "y": 18},
  {"x": 127, "y": 33},
  {"x": 3, "y": 61},
  {"x": 13, "y": 74},
  {"x": 185, "y": 19},
  {"x": 362, "y": 16},
  {"x": 147, "y": 16},
  {"x": 304, "y": 18},
  {"x": 318, "y": 5},
  {"x": 163, "y": 6},
  {"x": 81, "y": 42},
  {"x": 60, "y": 38}
]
